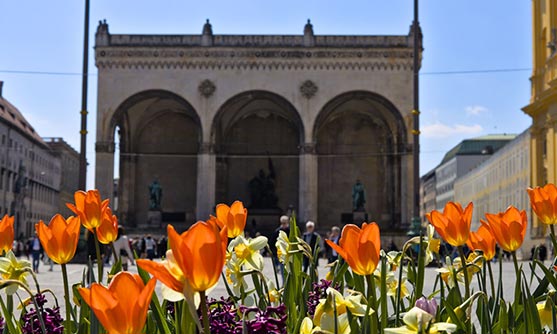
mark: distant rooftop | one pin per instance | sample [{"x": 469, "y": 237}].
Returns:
[
  {"x": 11, "y": 115},
  {"x": 488, "y": 144}
]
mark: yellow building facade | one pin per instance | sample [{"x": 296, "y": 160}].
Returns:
[{"x": 543, "y": 101}]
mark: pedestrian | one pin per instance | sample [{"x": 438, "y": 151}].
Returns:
[
  {"x": 313, "y": 239},
  {"x": 36, "y": 250},
  {"x": 122, "y": 248},
  {"x": 162, "y": 246},
  {"x": 335, "y": 237},
  {"x": 285, "y": 227},
  {"x": 150, "y": 246}
]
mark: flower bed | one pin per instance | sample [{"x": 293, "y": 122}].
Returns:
[{"x": 367, "y": 290}]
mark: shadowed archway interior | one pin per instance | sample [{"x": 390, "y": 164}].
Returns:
[
  {"x": 257, "y": 137},
  {"x": 359, "y": 136},
  {"x": 160, "y": 136}
]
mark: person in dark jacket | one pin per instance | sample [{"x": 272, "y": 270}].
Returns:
[{"x": 313, "y": 239}]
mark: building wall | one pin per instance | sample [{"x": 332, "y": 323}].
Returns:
[
  {"x": 40, "y": 184},
  {"x": 448, "y": 173},
  {"x": 69, "y": 180},
  {"x": 498, "y": 182},
  {"x": 543, "y": 101},
  {"x": 309, "y": 87}
]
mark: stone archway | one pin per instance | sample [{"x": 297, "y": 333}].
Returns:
[
  {"x": 160, "y": 136},
  {"x": 257, "y": 131},
  {"x": 359, "y": 136}
]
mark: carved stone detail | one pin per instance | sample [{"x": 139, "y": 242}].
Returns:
[
  {"x": 308, "y": 89},
  {"x": 104, "y": 147},
  {"x": 308, "y": 148},
  {"x": 207, "y": 88}
]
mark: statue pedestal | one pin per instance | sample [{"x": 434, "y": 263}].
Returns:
[
  {"x": 355, "y": 217},
  {"x": 266, "y": 221},
  {"x": 154, "y": 219},
  {"x": 359, "y": 217}
]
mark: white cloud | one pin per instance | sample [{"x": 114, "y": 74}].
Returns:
[
  {"x": 440, "y": 130},
  {"x": 475, "y": 110}
]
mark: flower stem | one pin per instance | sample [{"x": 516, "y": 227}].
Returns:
[
  {"x": 553, "y": 239},
  {"x": 491, "y": 278},
  {"x": 465, "y": 272},
  {"x": 205, "y": 313},
  {"x": 99, "y": 258},
  {"x": 66, "y": 298}
]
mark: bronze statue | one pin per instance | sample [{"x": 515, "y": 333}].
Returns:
[
  {"x": 155, "y": 195},
  {"x": 358, "y": 196},
  {"x": 262, "y": 189}
]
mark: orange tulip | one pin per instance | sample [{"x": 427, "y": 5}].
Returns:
[
  {"x": 6, "y": 234},
  {"x": 59, "y": 238},
  {"x": 544, "y": 203},
  {"x": 482, "y": 240},
  {"x": 453, "y": 225},
  {"x": 122, "y": 307},
  {"x": 89, "y": 207},
  {"x": 359, "y": 247},
  {"x": 508, "y": 228},
  {"x": 107, "y": 231},
  {"x": 233, "y": 217},
  {"x": 195, "y": 259}
]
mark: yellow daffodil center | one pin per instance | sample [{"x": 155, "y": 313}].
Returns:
[{"x": 242, "y": 251}]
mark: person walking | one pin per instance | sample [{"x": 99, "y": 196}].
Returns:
[
  {"x": 122, "y": 248},
  {"x": 285, "y": 227},
  {"x": 313, "y": 239},
  {"x": 150, "y": 247},
  {"x": 335, "y": 237},
  {"x": 36, "y": 250}
]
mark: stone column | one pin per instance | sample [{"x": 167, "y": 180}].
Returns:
[
  {"x": 308, "y": 184},
  {"x": 206, "y": 182},
  {"x": 104, "y": 168}
]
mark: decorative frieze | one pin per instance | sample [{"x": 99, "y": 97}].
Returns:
[{"x": 104, "y": 147}]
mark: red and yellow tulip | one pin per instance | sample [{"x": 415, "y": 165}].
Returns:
[
  {"x": 6, "y": 234},
  {"x": 544, "y": 203},
  {"x": 233, "y": 217},
  {"x": 359, "y": 247},
  {"x": 482, "y": 240},
  {"x": 89, "y": 207},
  {"x": 59, "y": 238},
  {"x": 453, "y": 225},
  {"x": 508, "y": 228},
  {"x": 195, "y": 259},
  {"x": 122, "y": 307}
]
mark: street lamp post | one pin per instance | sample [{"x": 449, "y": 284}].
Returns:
[
  {"x": 416, "y": 219},
  {"x": 83, "y": 131}
]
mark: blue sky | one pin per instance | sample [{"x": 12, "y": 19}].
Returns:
[{"x": 459, "y": 36}]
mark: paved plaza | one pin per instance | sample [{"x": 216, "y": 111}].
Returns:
[{"x": 53, "y": 279}]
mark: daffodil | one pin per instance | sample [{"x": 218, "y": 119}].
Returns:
[
  {"x": 546, "y": 313},
  {"x": 248, "y": 251},
  {"x": 307, "y": 326},
  {"x": 324, "y": 316},
  {"x": 283, "y": 248},
  {"x": 13, "y": 269},
  {"x": 433, "y": 244},
  {"x": 393, "y": 284},
  {"x": 234, "y": 274},
  {"x": 418, "y": 321}
]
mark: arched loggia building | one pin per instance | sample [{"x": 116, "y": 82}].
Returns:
[{"x": 206, "y": 113}]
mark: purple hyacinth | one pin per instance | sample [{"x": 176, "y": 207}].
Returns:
[
  {"x": 318, "y": 291},
  {"x": 2, "y": 324},
  {"x": 270, "y": 321},
  {"x": 430, "y": 306},
  {"x": 51, "y": 317},
  {"x": 223, "y": 317}
]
